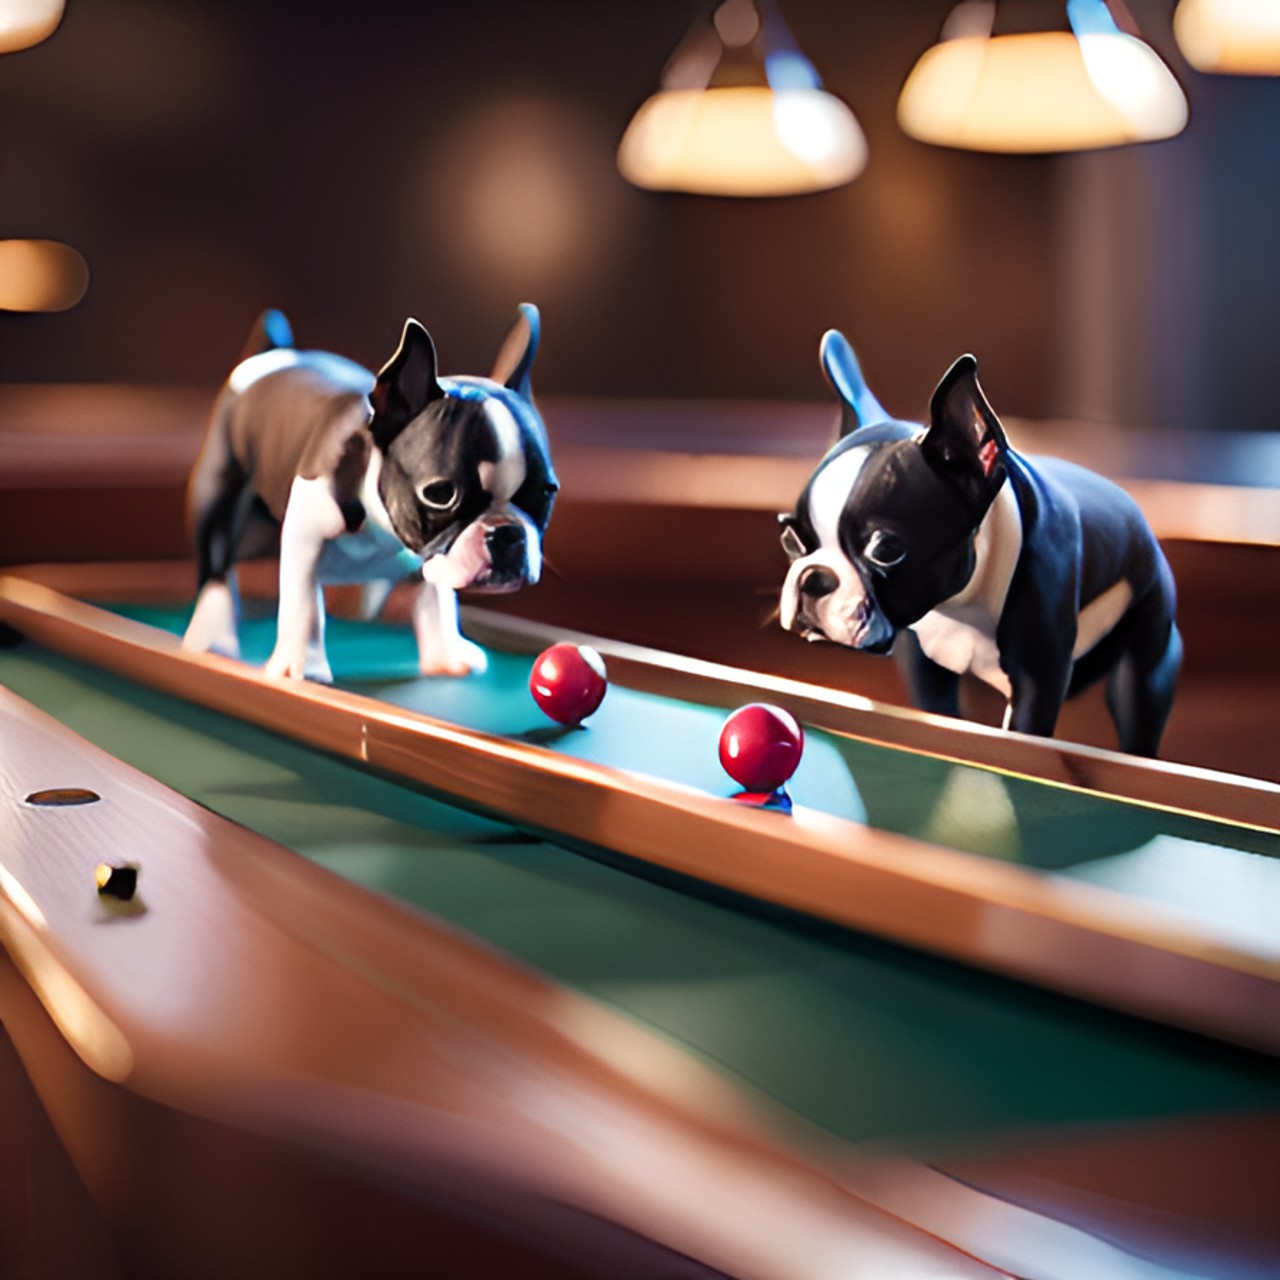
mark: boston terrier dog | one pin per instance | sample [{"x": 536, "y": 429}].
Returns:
[
  {"x": 1037, "y": 576},
  {"x": 369, "y": 480}
]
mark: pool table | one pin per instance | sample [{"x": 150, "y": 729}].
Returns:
[{"x": 412, "y": 973}]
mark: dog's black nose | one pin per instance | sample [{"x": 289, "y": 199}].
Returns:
[
  {"x": 818, "y": 582},
  {"x": 504, "y": 538}
]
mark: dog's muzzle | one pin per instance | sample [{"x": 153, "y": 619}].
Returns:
[
  {"x": 514, "y": 553},
  {"x": 824, "y": 598},
  {"x": 499, "y": 552}
]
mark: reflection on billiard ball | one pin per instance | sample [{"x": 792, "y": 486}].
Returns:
[
  {"x": 568, "y": 682},
  {"x": 760, "y": 746}
]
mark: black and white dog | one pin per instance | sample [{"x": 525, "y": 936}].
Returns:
[
  {"x": 369, "y": 480},
  {"x": 1038, "y": 577}
]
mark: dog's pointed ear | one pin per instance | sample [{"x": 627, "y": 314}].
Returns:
[
  {"x": 515, "y": 357},
  {"x": 965, "y": 442},
  {"x": 859, "y": 408},
  {"x": 406, "y": 384}
]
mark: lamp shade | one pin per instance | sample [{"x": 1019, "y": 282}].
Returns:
[
  {"x": 741, "y": 113},
  {"x": 27, "y": 22},
  {"x": 1230, "y": 37},
  {"x": 742, "y": 140},
  {"x": 41, "y": 275},
  {"x": 1041, "y": 91}
]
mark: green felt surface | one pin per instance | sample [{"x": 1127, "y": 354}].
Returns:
[
  {"x": 1225, "y": 879},
  {"x": 866, "y": 1039}
]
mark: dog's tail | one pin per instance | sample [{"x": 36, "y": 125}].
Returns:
[
  {"x": 270, "y": 330},
  {"x": 860, "y": 407}
]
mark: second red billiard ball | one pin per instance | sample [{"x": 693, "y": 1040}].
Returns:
[
  {"x": 568, "y": 682},
  {"x": 760, "y": 746}
]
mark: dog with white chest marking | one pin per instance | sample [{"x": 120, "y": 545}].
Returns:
[
  {"x": 1035, "y": 575},
  {"x": 369, "y": 479}
]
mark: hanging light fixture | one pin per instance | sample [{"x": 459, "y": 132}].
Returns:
[
  {"x": 27, "y": 22},
  {"x": 41, "y": 275},
  {"x": 741, "y": 112},
  {"x": 1075, "y": 89},
  {"x": 1230, "y": 37}
]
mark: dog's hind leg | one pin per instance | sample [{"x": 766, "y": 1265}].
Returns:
[
  {"x": 219, "y": 498},
  {"x": 1141, "y": 685},
  {"x": 1140, "y": 696}
]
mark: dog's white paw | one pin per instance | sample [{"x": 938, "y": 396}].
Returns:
[
  {"x": 283, "y": 665},
  {"x": 442, "y": 649},
  {"x": 458, "y": 658},
  {"x": 212, "y": 628}
]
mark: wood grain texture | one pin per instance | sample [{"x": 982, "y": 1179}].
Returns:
[{"x": 252, "y": 989}]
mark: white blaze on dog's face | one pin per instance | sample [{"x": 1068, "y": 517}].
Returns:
[
  {"x": 824, "y": 596},
  {"x": 502, "y": 477}
]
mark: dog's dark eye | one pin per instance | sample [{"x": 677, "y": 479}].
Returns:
[
  {"x": 439, "y": 494},
  {"x": 885, "y": 550}
]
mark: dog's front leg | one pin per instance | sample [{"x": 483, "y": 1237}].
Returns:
[
  {"x": 1037, "y": 698},
  {"x": 311, "y": 518},
  {"x": 442, "y": 648},
  {"x": 932, "y": 687},
  {"x": 212, "y": 628}
]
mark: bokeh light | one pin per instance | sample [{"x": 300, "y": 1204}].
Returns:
[
  {"x": 1230, "y": 37},
  {"x": 41, "y": 275},
  {"x": 742, "y": 140},
  {"x": 1040, "y": 92},
  {"x": 27, "y": 22},
  {"x": 515, "y": 191}
]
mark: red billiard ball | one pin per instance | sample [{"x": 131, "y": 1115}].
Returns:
[
  {"x": 760, "y": 746},
  {"x": 568, "y": 682}
]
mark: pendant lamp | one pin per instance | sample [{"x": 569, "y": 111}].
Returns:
[
  {"x": 27, "y": 22},
  {"x": 41, "y": 275},
  {"x": 1230, "y": 37},
  {"x": 1087, "y": 85},
  {"x": 741, "y": 112}
]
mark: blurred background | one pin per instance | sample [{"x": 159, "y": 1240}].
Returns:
[{"x": 356, "y": 163}]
